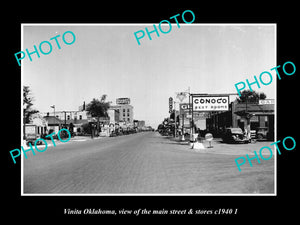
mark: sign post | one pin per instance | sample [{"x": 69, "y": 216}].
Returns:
[
  {"x": 170, "y": 111},
  {"x": 183, "y": 109},
  {"x": 170, "y": 105},
  {"x": 181, "y": 96},
  {"x": 209, "y": 138}
]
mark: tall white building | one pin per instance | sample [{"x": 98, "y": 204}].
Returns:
[{"x": 125, "y": 110}]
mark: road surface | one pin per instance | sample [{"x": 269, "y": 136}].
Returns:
[{"x": 142, "y": 163}]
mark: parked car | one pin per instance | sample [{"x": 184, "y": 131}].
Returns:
[
  {"x": 234, "y": 135},
  {"x": 262, "y": 133}
]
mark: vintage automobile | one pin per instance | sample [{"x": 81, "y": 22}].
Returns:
[
  {"x": 262, "y": 133},
  {"x": 234, "y": 135}
]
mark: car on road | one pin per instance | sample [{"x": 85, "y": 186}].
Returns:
[{"x": 234, "y": 135}]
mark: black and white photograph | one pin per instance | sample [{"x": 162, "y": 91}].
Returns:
[{"x": 144, "y": 109}]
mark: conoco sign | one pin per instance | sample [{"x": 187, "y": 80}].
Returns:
[{"x": 210, "y": 103}]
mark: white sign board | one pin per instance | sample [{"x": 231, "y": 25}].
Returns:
[
  {"x": 209, "y": 137},
  {"x": 266, "y": 102},
  {"x": 210, "y": 103},
  {"x": 123, "y": 101}
]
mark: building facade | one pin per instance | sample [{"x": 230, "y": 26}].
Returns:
[
  {"x": 67, "y": 115},
  {"x": 251, "y": 115},
  {"x": 77, "y": 118},
  {"x": 113, "y": 115},
  {"x": 125, "y": 110}
]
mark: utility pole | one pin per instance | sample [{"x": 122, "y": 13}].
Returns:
[
  {"x": 24, "y": 124},
  {"x": 181, "y": 96},
  {"x": 190, "y": 108},
  {"x": 175, "y": 119}
]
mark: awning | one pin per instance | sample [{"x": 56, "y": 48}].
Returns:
[{"x": 249, "y": 114}]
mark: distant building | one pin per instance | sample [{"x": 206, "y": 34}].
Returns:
[
  {"x": 54, "y": 124},
  {"x": 40, "y": 122},
  {"x": 67, "y": 115},
  {"x": 67, "y": 118},
  {"x": 114, "y": 115},
  {"x": 139, "y": 123},
  {"x": 78, "y": 118},
  {"x": 260, "y": 115},
  {"x": 125, "y": 110}
]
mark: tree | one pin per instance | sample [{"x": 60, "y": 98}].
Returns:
[
  {"x": 98, "y": 108},
  {"x": 251, "y": 96},
  {"x": 27, "y": 104}
]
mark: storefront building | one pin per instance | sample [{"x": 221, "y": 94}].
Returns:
[
  {"x": 258, "y": 116},
  {"x": 125, "y": 110}
]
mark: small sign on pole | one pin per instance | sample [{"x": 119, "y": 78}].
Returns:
[
  {"x": 170, "y": 104},
  {"x": 209, "y": 137},
  {"x": 181, "y": 95}
]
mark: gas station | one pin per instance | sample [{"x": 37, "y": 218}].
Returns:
[
  {"x": 207, "y": 115},
  {"x": 193, "y": 115}
]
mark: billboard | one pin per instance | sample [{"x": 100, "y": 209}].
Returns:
[
  {"x": 123, "y": 101},
  {"x": 210, "y": 103}
]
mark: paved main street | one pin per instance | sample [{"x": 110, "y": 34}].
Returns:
[{"x": 145, "y": 163}]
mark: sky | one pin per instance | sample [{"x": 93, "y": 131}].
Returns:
[{"x": 106, "y": 59}]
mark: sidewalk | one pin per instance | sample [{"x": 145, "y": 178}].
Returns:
[
  {"x": 58, "y": 142},
  {"x": 218, "y": 147}
]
